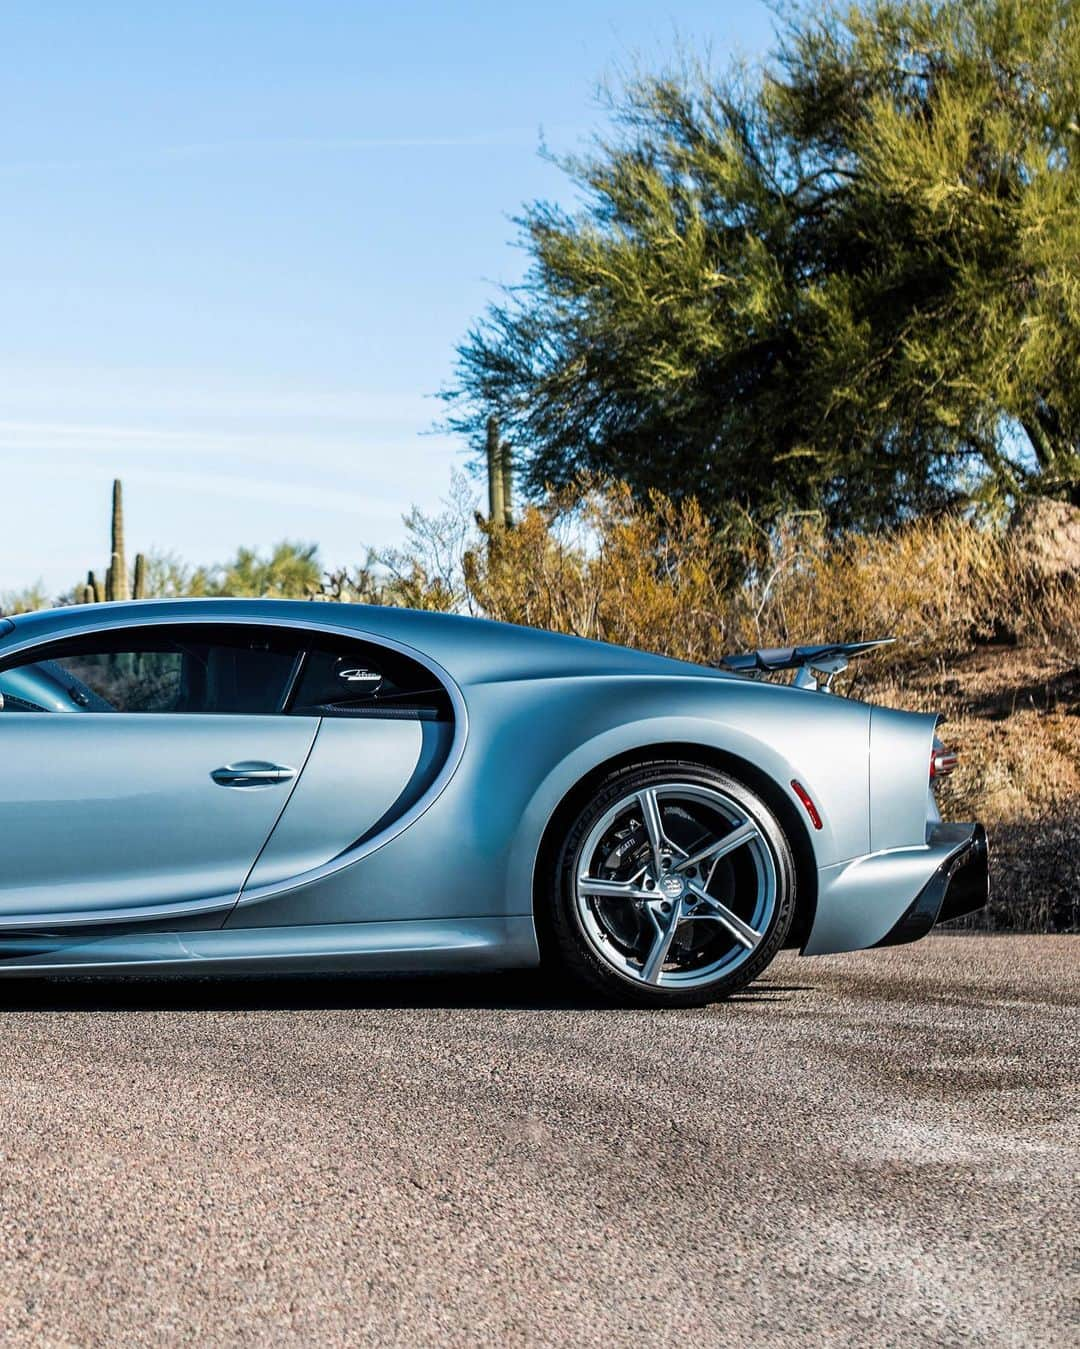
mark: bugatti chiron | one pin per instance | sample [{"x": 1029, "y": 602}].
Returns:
[{"x": 224, "y": 785}]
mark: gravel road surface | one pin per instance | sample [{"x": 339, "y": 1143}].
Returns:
[{"x": 871, "y": 1149}]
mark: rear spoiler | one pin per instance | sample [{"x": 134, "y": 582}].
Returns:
[{"x": 816, "y": 665}]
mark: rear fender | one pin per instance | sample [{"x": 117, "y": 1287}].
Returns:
[
  {"x": 826, "y": 754},
  {"x": 901, "y": 744},
  {"x": 861, "y": 901}
]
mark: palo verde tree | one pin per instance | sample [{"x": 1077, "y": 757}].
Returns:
[
  {"x": 290, "y": 571},
  {"x": 849, "y": 282}
]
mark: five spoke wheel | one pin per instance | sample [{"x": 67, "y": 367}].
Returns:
[{"x": 676, "y": 884}]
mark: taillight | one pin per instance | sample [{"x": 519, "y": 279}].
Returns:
[{"x": 942, "y": 761}]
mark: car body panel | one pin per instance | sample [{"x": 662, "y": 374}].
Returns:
[
  {"x": 424, "y": 946},
  {"x": 537, "y": 740},
  {"x": 426, "y": 824},
  {"x": 360, "y": 777},
  {"x": 901, "y": 744},
  {"x": 860, "y": 901},
  {"x": 115, "y": 815}
]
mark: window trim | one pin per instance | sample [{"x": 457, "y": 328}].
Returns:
[{"x": 299, "y": 665}]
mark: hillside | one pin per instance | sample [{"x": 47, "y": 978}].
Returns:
[{"x": 1014, "y": 713}]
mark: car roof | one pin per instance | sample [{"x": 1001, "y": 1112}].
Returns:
[{"x": 471, "y": 649}]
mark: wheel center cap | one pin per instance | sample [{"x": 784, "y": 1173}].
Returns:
[{"x": 672, "y": 887}]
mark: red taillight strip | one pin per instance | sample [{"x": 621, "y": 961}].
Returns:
[
  {"x": 943, "y": 762},
  {"x": 804, "y": 796}
]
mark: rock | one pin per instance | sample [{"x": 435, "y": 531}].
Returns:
[{"x": 1048, "y": 532}]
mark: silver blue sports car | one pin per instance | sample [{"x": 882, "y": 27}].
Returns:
[{"x": 224, "y": 785}]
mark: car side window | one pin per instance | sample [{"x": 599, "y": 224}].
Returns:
[
  {"x": 347, "y": 678},
  {"x": 196, "y": 669}
]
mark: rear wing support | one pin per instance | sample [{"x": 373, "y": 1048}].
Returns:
[{"x": 815, "y": 666}]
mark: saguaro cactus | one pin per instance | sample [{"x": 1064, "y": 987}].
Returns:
[
  {"x": 506, "y": 464},
  {"x": 496, "y": 482},
  {"x": 117, "y": 586},
  {"x": 500, "y": 478}
]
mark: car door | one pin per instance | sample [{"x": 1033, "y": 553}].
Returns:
[
  {"x": 388, "y": 735},
  {"x": 142, "y": 769}
]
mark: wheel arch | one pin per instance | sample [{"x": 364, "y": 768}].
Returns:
[{"x": 806, "y": 872}]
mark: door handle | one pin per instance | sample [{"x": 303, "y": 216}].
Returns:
[{"x": 252, "y": 773}]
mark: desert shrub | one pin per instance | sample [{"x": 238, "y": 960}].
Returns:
[
  {"x": 656, "y": 574},
  {"x": 24, "y": 601},
  {"x": 938, "y": 584},
  {"x": 1013, "y": 712},
  {"x": 598, "y": 565}
]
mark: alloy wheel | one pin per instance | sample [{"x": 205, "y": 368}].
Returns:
[{"x": 675, "y": 885}]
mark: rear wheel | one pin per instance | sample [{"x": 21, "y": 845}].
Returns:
[{"x": 674, "y": 885}]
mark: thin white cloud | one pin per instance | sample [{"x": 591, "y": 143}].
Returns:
[
  {"x": 61, "y": 395},
  {"x": 506, "y": 136},
  {"x": 333, "y": 498},
  {"x": 363, "y": 450},
  {"x": 18, "y": 434}
]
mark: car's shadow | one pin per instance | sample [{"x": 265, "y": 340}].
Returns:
[{"x": 520, "y": 991}]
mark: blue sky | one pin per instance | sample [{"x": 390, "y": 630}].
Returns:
[{"x": 240, "y": 242}]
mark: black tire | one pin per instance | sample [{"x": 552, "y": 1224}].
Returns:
[{"x": 572, "y": 947}]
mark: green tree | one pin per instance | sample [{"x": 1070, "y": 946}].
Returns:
[
  {"x": 848, "y": 283},
  {"x": 24, "y": 601},
  {"x": 291, "y": 571}
]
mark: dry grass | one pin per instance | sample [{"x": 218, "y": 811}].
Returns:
[
  {"x": 659, "y": 577},
  {"x": 599, "y": 566},
  {"x": 938, "y": 585}
]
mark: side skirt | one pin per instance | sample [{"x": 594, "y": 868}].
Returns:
[{"x": 417, "y": 946}]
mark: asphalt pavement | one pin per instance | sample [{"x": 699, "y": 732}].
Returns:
[{"x": 874, "y": 1149}]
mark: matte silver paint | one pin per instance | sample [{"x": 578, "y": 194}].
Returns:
[
  {"x": 860, "y": 901},
  {"x": 426, "y": 946},
  {"x": 118, "y": 814},
  {"x": 358, "y": 773},
  {"x": 900, "y": 747},
  {"x": 413, "y": 823}
]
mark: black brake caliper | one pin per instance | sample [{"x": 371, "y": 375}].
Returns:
[{"x": 625, "y": 852}]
